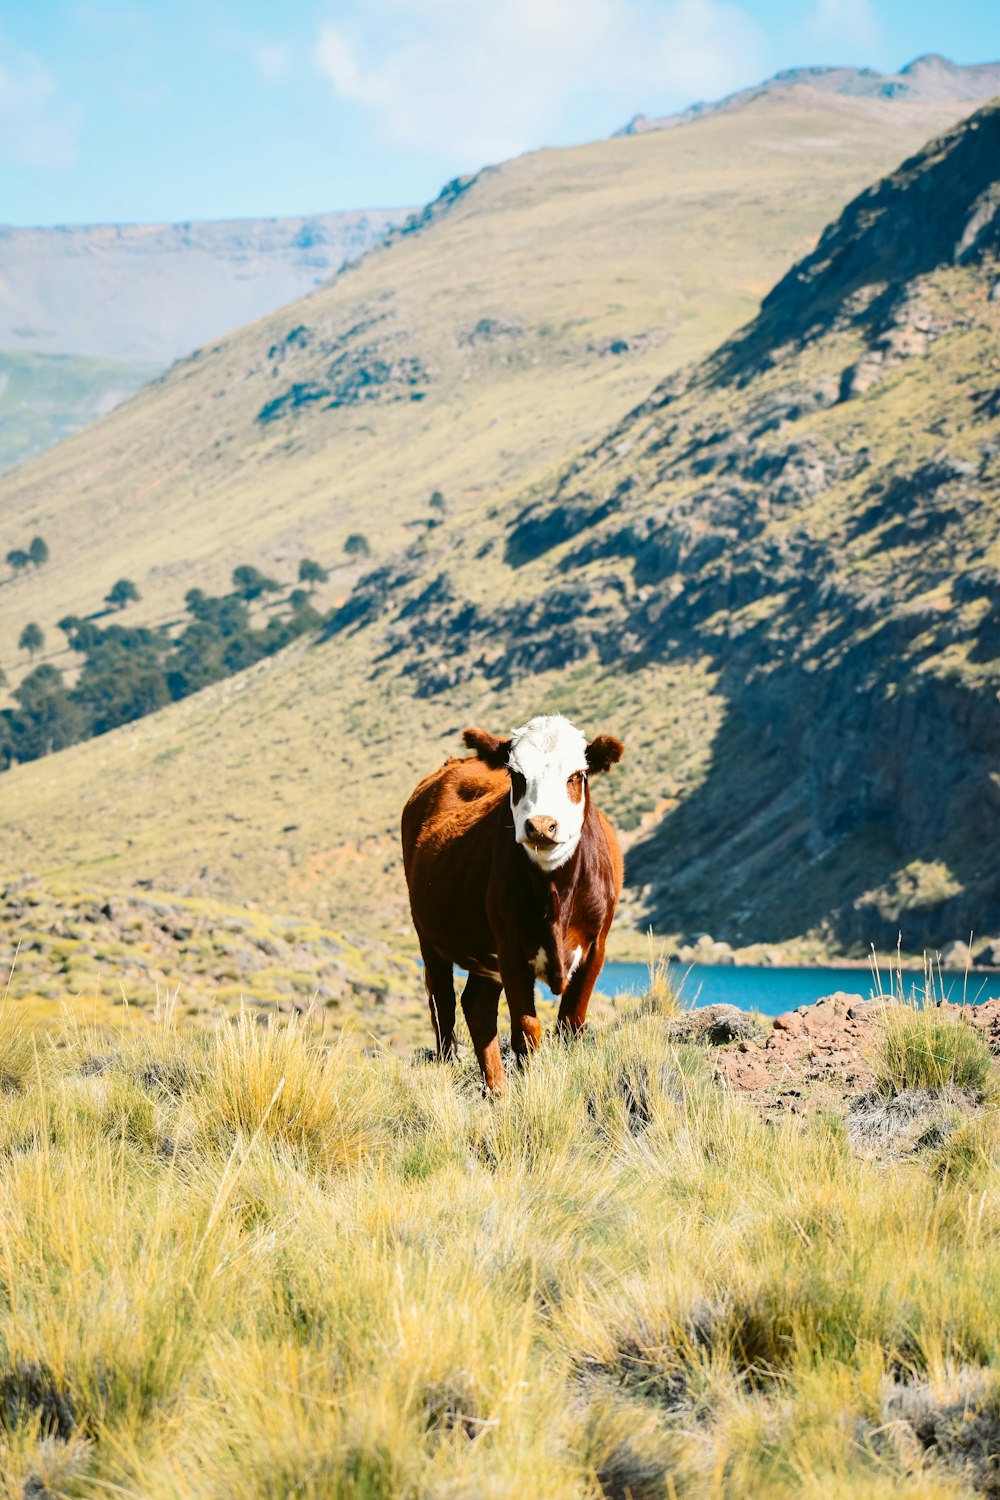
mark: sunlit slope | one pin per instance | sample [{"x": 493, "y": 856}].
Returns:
[
  {"x": 470, "y": 357},
  {"x": 283, "y": 786}
]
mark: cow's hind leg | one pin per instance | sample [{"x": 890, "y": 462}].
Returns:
[
  {"x": 439, "y": 982},
  {"x": 480, "y": 1000}
]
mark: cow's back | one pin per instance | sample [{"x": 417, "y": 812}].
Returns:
[{"x": 449, "y": 829}]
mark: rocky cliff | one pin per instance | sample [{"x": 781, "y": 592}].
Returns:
[{"x": 814, "y": 510}]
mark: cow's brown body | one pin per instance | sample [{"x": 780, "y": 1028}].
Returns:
[{"x": 479, "y": 901}]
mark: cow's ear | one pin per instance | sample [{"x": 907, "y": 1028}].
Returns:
[
  {"x": 604, "y": 752},
  {"x": 488, "y": 747}
]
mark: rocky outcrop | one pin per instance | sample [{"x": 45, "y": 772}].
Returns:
[
  {"x": 813, "y": 512},
  {"x": 821, "y": 1054}
]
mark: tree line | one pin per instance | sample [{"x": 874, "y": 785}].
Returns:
[{"x": 129, "y": 671}]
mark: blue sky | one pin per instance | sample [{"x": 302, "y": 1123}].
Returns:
[{"x": 213, "y": 109}]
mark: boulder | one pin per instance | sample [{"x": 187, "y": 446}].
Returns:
[
  {"x": 715, "y": 1025},
  {"x": 988, "y": 956},
  {"x": 955, "y": 955}
]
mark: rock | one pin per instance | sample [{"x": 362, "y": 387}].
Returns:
[
  {"x": 742, "y": 1070},
  {"x": 791, "y": 1022},
  {"x": 988, "y": 956},
  {"x": 714, "y": 1024},
  {"x": 840, "y": 1001},
  {"x": 955, "y": 955},
  {"x": 868, "y": 1010}
]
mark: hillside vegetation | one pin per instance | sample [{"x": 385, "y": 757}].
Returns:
[
  {"x": 538, "y": 303},
  {"x": 246, "y": 1262},
  {"x": 811, "y": 515},
  {"x": 284, "y": 785},
  {"x": 45, "y": 398}
]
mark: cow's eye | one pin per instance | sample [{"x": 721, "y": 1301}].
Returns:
[
  {"x": 574, "y": 785},
  {"x": 518, "y": 785}
]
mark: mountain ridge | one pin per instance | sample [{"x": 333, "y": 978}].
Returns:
[
  {"x": 929, "y": 77},
  {"x": 233, "y": 271}
]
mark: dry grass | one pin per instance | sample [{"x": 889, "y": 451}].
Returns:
[
  {"x": 253, "y": 1264},
  {"x": 917, "y": 1048}
]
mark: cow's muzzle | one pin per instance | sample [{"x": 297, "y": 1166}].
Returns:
[{"x": 541, "y": 833}]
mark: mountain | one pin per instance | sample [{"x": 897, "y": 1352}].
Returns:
[
  {"x": 739, "y": 571},
  {"x": 808, "y": 521},
  {"x": 930, "y": 78},
  {"x": 91, "y": 312},
  {"x": 153, "y": 292},
  {"x": 472, "y": 355}
]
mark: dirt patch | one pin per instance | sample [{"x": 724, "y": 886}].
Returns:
[{"x": 816, "y": 1057}]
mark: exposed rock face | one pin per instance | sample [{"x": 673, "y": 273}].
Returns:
[{"x": 814, "y": 509}]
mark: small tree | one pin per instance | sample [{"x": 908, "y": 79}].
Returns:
[
  {"x": 312, "y": 573},
  {"x": 250, "y": 583},
  {"x": 31, "y": 639},
  {"x": 38, "y": 551},
  {"x": 437, "y": 502},
  {"x": 18, "y": 559},
  {"x": 357, "y": 545},
  {"x": 122, "y": 593}
]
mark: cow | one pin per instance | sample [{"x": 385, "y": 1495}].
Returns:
[{"x": 514, "y": 875}]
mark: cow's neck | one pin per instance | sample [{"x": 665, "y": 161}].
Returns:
[{"x": 554, "y": 892}]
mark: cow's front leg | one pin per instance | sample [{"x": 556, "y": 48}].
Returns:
[
  {"x": 576, "y": 996},
  {"x": 519, "y": 987},
  {"x": 480, "y": 1001},
  {"x": 439, "y": 982}
]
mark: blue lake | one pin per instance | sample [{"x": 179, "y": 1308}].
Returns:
[{"x": 773, "y": 991}]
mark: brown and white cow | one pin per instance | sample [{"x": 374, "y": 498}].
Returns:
[{"x": 513, "y": 874}]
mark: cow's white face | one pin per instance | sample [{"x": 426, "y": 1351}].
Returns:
[{"x": 548, "y": 776}]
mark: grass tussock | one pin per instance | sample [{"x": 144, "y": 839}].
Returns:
[
  {"x": 917, "y": 1048},
  {"x": 261, "y": 1263}
]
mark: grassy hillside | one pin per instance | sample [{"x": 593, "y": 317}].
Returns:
[
  {"x": 541, "y": 302},
  {"x": 284, "y": 785},
  {"x": 88, "y": 313},
  {"x": 45, "y": 398},
  {"x": 245, "y": 1262}
]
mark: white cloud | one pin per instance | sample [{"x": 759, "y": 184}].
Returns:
[
  {"x": 495, "y": 77},
  {"x": 37, "y": 124}
]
